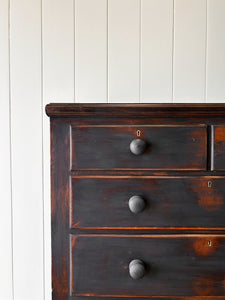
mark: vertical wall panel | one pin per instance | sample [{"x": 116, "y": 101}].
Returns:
[
  {"x": 216, "y": 51},
  {"x": 6, "y": 290},
  {"x": 189, "y": 50},
  {"x": 123, "y": 50},
  {"x": 156, "y": 66},
  {"x": 58, "y": 86},
  {"x": 91, "y": 50},
  {"x": 27, "y": 149},
  {"x": 58, "y": 50}
]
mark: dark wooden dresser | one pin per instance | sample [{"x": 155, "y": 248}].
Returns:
[{"x": 138, "y": 201}]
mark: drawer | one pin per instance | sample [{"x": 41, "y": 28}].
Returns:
[
  {"x": 219, "y": 148},
  {"x": 145, "y": 147},
  {"x": 181, "y": 202},
  {"x": 162, "y": 265}
]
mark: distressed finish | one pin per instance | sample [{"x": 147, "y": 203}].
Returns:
[
  {"x": 175, "y": 265},
  {"x": 60, "y": 209},
  {"x": 167, "y": 147},
  {"x": 219, "y": 146},
  {"x": 170, "y": 202},
  {"x": 134, "y": 110},
  {"x": 178, "y": 232}
]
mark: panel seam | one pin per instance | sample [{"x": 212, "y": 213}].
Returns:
[
  {"x": 206, "y": 53},
  {"x": 173, "y": 54},
  {"x": 10, "y": 142},
  {"x": 74, "y": 56},
  {"x": 42, "y": 147},
  {"x": 107, "y": 51},
  {"x": 140, "y": 48}
]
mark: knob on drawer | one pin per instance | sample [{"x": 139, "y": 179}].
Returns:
[
  {"x": 137, "y": 269},
  {"x": 136, "y": 204},
  {"x": 138, "y": 146}
]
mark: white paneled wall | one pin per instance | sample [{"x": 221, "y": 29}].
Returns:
[
  {"x": 189, "y": 50},
  {"x": 123, "y": 50},
  {"x": 26, "y": 147},
  {"x": 215, "y": 63},
  {"x": 6, "y": 280},
  {"x": 91, "y": 50},
  {"x": 156, "y": 50},
  {"x": 86, "y": 51}
]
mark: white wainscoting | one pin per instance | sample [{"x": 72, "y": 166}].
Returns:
[{"x": 86, "y": 51}]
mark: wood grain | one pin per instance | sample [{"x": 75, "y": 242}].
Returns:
[
  {"x": 132, "y": 110},
  {"x": 180, "y": 234},
  {"x": 59, "y": 206},
  {"x": 176, "y": 266},
  {"x": 219, "y": 146},
  {"x": 171, "y": 202},
  {"x": 182, "y": 148},
  {"x": 119, "y": 297}
]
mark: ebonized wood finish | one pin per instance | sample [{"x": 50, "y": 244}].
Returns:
[{"x": 138, "y": 201}]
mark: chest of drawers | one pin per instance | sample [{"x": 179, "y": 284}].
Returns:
[{"x": 138, "y": 201}]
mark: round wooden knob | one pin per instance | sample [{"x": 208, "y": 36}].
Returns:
[
  {"x": 136, "y": 204},
  {"x": 138, "y": 146},
  {"x": 137, "y": 269}
]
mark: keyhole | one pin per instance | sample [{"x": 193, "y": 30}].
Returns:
[
  {"x": 209, "y": 243},
  {"x": 209, "y": 184},
  {"x": 138, "y": 132}
]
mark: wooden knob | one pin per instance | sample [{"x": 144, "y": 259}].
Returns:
[
  {"x": 136, "y": 204},
  {"x": 138, "y": 146},
  {"x": 137, "y": 269}
]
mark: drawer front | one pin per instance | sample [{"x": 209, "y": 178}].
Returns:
[
  {"x": 219, "y": 148},
  {"x": 167, "y": 202},
  {"x": 161, "y": 147},
  {"x": 170, "y": 265}
]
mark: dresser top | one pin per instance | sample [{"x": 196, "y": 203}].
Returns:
[{"x": 133, "y": 110}]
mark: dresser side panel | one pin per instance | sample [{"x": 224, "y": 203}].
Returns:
[{"x": 60, "y": 149}]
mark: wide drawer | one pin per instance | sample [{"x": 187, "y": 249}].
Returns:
[
  {"x": 180, "y": 202},
  {"x": 171, "y": 265},
  {"x": 161, "y": 147}
]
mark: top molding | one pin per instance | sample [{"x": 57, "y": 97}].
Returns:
[{"x": 133, "y": 110}]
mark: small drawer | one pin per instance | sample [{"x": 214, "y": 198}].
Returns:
[
  {"x": 144, "y": 147},
  {"x": 219, "y": 148},
  {"x": 148, "y": 202},
  {"x": 148, "y": 265}
]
